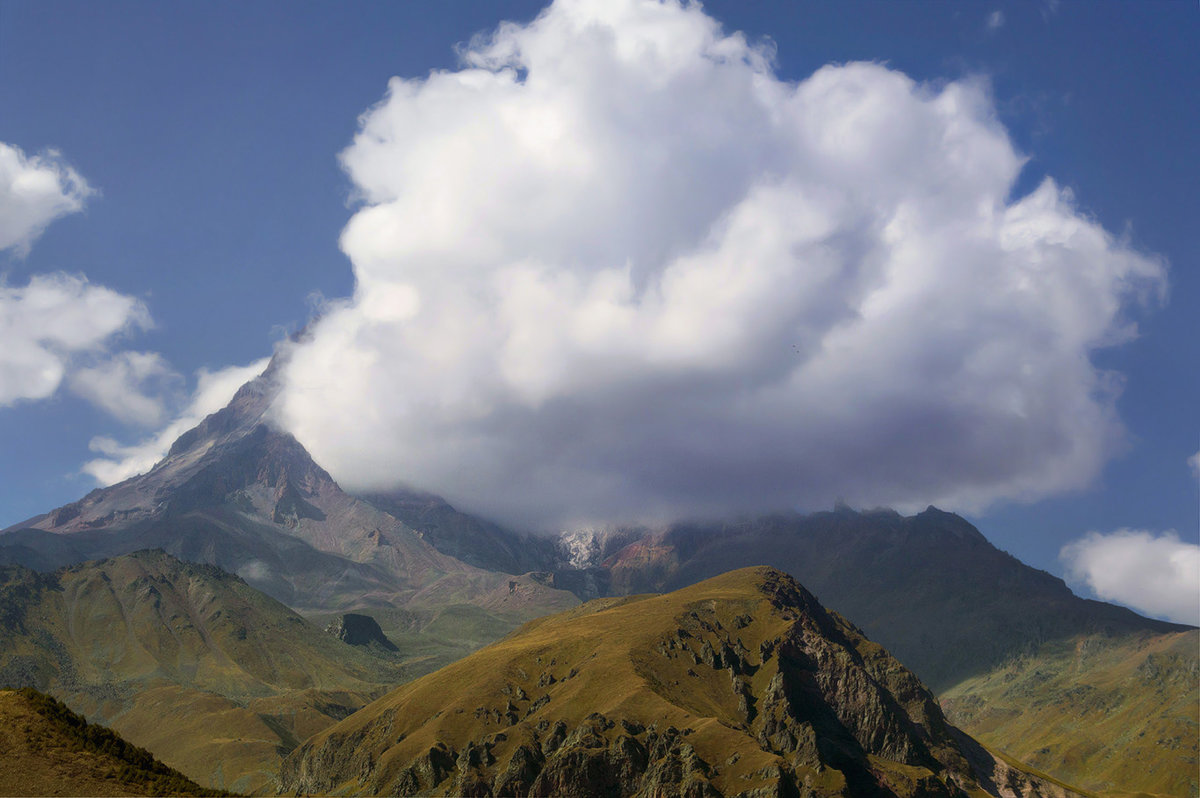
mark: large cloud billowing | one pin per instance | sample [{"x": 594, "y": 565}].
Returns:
[{"x": 614, "y": 268}]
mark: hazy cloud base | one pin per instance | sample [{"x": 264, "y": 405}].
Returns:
[
  {"x": 1156, "y": 574},
  {"x": 614, "y": 268},
  {"x": 130, "y": 386}
]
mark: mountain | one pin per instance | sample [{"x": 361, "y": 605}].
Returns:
[
  {"x": 742, "y": 684},
  {"x": 46, "y": 749},
  {"x": 216, "y": 678},
  {"x": 1024, "y": 664},
  {"x": 237, "y": 493},
  {"x": 976, "y": 624}
]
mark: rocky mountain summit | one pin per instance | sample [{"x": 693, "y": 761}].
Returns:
[
  {"x": 740, "y": 685},
  {"x": 238, "y": 493}
]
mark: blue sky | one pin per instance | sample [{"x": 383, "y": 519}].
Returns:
[{"x": 210, "y": 135}]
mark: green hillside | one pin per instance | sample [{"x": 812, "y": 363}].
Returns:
[{"x": 217, "y": 679}]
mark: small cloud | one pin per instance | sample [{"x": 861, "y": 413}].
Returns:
[
  {"x": 995, "y": 20},
  {"x": 34, "y": 191},
  {"x": 131, "y": 386},
  {"x": 213, "y": 391},
  {"x": 1155, "y": 574},
  {"x": 47, "y": 323},
  {"x": 1194, "y": 462},
  {"x": 254, "y": 571}
]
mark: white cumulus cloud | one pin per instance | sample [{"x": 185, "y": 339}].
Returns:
[
  {"x": 995, "y": 20},
  {"x": 1155, "y": 574},
  {"x": 615, "y": 268},
  {"x": 132, "y": 386},
  {"x": 47, "y": 323},
  {"x": 213, "y": 391},
  {"x": 34, "y": 191}
]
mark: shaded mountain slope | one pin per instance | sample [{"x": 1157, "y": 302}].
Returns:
[
  {"x": 216, "y": 678},
  {"x": 45, "y": 749},
  {"x": 967, "y": 617},
  {"x": 472, "y": 540},
  {"x": 742, "y": 684}
]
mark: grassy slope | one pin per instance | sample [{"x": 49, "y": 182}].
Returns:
[
  {"x": 45, "y": 749},
  {"x": 634, "y": 661},
  {"x": 166, "y": 653},
  {"x": 1065, "y": 707}
]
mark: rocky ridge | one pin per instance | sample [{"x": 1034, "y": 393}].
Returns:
[{"x": 741, "y": 685}]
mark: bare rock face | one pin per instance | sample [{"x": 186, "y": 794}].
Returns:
[
  {"x": 741, "y": 685},
  {"x": 360, "y": 630}
]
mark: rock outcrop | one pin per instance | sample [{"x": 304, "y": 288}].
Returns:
[{"x": 359, "y": 630}]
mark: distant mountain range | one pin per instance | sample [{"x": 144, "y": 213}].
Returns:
[{"x": 1088, "y": 692}]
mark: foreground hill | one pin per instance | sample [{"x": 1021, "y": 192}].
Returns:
[
  {"x": 1026, "y": 666},
  {"x": 742, "y": 684},
  {"x": 217, "y": 679},
  {"x": 45, "y": 749}
]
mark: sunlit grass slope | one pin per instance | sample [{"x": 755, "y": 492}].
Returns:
[
  {"x": 742, "y": 684},
  {"x": 1067, "y": 705}
]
